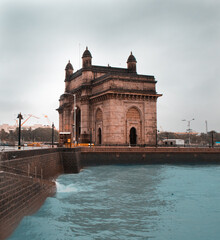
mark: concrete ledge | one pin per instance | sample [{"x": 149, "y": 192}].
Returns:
[
  {"x": 11, "y": 155},
  {"x": 150, "y": 149},
  {"x": 150, "y": 155}
]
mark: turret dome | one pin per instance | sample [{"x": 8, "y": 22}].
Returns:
[
  {"x": 69, "y": 66},
  {"x": 131, "y": 58},
  {"x": 86, "y": 59},
  {"x": 87, "y": 53},
  {"x": 131, "y": 63}
]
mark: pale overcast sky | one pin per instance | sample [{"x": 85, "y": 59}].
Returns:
[{"x": 177, "y": 41}]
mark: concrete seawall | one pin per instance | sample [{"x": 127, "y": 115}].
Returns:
[
  {"x": 25, "y": 183},
  {"x": 26, "y": 177},
  {"x": 20, "y": 196},
  {"x": 125, "y": 155}
]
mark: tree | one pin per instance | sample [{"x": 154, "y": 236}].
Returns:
[{"x": 4, "y": 136}]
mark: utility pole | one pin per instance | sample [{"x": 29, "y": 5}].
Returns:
[
  {"x": 212, "y": 132},
  {"x": 189, "y": 129},
  {"x": 19, "y": 130},
  {"x": 206, "y": 126}
]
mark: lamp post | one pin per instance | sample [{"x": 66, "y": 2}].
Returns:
[
  {"x": 189, "y": 129},
  {"x": 91, "y": 131},
  {"x": 212, "y": 136},
  {"x": 74, "y": 115},
  {"x": 52, "y": 135},
  {"x": 19, "y": 130},
  {"x": 157, "y": 131}
]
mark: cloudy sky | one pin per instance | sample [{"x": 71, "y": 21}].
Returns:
[{"x": 177, "y": 41}]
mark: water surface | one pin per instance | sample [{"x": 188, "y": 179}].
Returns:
[{"x": 130, "y": 202}]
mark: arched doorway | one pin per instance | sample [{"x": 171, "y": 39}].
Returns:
[
  {"x": 133, "y": 136},
  {"x": 133, "y": 126},
  {"x": 78, "y": 124},
  {"x": 99, "y": 136},
  {"x": 99, "y": 126}
]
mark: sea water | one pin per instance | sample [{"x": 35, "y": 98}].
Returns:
[{"x": 130, "y": 202}]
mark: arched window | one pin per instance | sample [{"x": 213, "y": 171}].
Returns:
[
  {"x": 133, "y": 114},
  {"x": 99, "y": 115}
]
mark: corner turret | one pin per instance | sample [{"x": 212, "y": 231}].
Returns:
[
  {"x": 69, "y": 70},
  {"x": 131, "y": 63},
  {"x": 86, "y": 59}
]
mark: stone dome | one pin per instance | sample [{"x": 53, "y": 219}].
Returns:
[
  {"x": 86, "y": 53},
  {"x": 131, "y": 58},
  {"x": 69, "y": 66}
]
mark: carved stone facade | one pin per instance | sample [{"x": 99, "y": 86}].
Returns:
[{"x": 113, "y": 105}]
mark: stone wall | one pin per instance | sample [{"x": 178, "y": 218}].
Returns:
[
  {"x": 46, "y": 166},
  {"x": 10, "y": 155},
  {"x": 71, "y": 160},
  {"x": 20, "y": 196},
  {"x": 25, "y": 183},
  {"x": 134, "y": 155}
]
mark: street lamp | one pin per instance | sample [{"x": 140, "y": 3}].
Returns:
[
  {"x": 52, "y": 135},
  {"x": 212, "y": 134},
  {"x": 189, "y": 121},
  {"x": 74, "y": 115},
  {"x": 157, "y": 131},
  {"x": 19, "y": 130}
]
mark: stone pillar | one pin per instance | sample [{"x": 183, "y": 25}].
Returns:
[
  {"x": 85, "y": 132},
  {"x": 66, "y": 120},
  {"x": 71, "y": 120},
  {"x": 61, "y": 121},
  {"x": 150, "y": 122},
  {"x": 114, "y": 124}
]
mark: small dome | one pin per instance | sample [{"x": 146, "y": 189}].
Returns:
[
  {"x": 86, "y": 53},
  {"x": 131, "y": 58},
  {"x": 69, "y": 66}
]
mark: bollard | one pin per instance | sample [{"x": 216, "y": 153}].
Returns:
[
  {"x": 35, "y": 171},
  {"x": 41, "y": 173}
]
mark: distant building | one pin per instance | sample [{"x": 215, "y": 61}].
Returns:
[
  {"x": 173, "y": 142},
  {"x": 7, "y": 128},
  {"x": 35, "y": 126},
  {"x": 114, "y": 105}
]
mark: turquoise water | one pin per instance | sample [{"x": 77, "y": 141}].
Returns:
[{"x": 130, "y": 202}]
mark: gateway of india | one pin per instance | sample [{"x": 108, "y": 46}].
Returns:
[{"x": 108, "y": 105}]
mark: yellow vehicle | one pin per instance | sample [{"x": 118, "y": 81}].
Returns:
[
  {"x": 65, "y": 140},
  {"x": 34, "y": 144}
]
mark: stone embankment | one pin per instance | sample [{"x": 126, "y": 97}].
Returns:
[
  {"x": 150, "y": 155},
  {"x": 27, "y": 177},
  {"x": 26, "y": 180}
]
